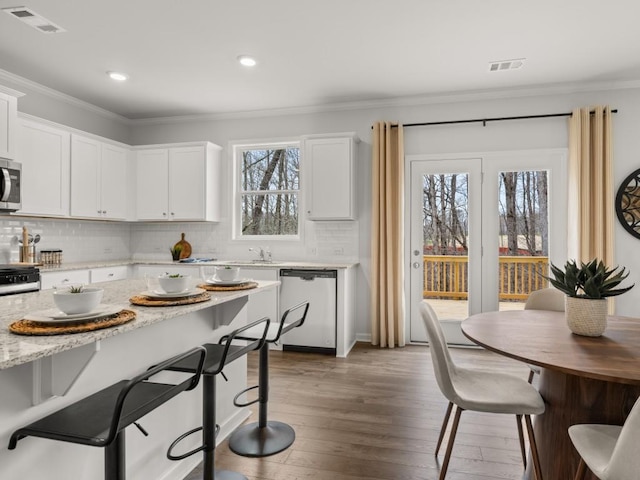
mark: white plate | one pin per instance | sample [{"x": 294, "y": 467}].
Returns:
[
  {"x": 227, "y": 283},
  {"x": 192, "y": 292},
  {"x": 56, "y": 316}
]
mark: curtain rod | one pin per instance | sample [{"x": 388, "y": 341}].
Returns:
[{"x": 484, "y": 121}]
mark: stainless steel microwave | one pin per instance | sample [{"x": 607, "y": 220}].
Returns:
[{"x": 10, "y": 179}]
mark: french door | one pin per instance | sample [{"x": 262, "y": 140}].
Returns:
[{"x": 481, "y": 230}]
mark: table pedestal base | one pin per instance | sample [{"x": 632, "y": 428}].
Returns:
[{"x": 572, "y": 400}]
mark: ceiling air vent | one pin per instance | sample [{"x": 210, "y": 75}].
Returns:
[
  {"x": 503, "y": 65},
  {"x": 34, "y": 20}
]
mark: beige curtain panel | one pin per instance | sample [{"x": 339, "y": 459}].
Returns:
[
  {"x": 591, "y": 191},
  {"x": 387, "y": 267}
]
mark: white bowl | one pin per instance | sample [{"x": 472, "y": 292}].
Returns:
[
  {"x": 77, "y": 303},
  {"x": 174, "y": 283},
  {"x": 227, "y": 274}
]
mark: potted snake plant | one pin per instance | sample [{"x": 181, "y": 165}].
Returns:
[{"x": 587, "y": 287}]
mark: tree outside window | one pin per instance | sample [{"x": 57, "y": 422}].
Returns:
[{"x": 269, "y": 189}]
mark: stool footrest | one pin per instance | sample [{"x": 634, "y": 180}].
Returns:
[
  {"x": 171, "y": 456},
  {"x": 245, "y": 404}
]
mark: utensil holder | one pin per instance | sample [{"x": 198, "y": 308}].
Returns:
[{"x": 28, "y": 254}]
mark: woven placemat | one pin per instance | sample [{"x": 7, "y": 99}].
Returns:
[
  {"x": 30, "y": 327},
  {"x": 145, "y": 301},
  {"x": 220, "y": 288}
]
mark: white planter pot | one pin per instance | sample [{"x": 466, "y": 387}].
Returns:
[{"x": 586, "y": 316}]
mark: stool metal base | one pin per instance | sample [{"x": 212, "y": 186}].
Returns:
[{"x": 254, "y": 441}]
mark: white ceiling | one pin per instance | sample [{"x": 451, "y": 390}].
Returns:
[{"x": 181, "y": 54}]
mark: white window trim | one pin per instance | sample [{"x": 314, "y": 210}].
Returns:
[{"x": 236, "y": 203}]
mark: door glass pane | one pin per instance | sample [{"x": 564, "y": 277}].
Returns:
[
  {"x": 523, "y": 237},
  {"x": 446, "y": 244}
]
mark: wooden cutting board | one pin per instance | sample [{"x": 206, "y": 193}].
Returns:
[{"x": 186, "y": 247}]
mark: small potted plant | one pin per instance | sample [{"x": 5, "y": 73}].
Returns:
[
  {"x": 175, "y": 252},
  {"x": 587, "y": 287}
]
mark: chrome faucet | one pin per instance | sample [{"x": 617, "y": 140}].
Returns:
[{"x": 261, "y": 252}]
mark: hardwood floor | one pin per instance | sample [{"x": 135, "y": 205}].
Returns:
[{"x": 376, "y": 415}]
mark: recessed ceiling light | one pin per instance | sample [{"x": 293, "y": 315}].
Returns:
[
  {"x": 247, "y": 61},
  {"x": 118, "y": 76}
]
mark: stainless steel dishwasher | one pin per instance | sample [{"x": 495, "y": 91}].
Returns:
[{"x": 318, "y": 287}]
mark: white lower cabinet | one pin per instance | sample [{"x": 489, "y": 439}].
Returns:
[
  {"x": 109, "y": 274},
  {"x": 263, "y": 304},
  {"x": 48, "y": 280}
]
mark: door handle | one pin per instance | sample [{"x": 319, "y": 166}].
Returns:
[{"x": 416, "y": 264}]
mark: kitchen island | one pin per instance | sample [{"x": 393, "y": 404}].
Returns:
[{"x": 39, "y": 375}]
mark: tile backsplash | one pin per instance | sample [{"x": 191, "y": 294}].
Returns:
[
  {"x": 80, "y": 241},
  {"x": 87, "y": 241}
]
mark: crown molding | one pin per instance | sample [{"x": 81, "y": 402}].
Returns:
[
  {"x": 62, "y": 97},
  {"x": 432, "y": 99},
  {"x": 451, "y": 97}
]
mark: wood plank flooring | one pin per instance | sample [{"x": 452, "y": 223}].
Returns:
[{"x": 376, "y": 415}]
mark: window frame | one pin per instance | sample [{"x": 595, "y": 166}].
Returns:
[{"x": 236, "y": 149}]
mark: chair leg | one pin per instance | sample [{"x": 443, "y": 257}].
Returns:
[
  {"x": 521, "y": 437},
  {"x": 444, "y": 427},
  {"x": 452, "y": 437},
  {"x": 534, "y": 448},
  {"x": 582, "y": 470}
]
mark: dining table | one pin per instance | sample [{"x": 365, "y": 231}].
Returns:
[{"x": 582, "y": 380}]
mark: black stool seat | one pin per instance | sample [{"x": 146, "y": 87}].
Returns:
[
  {"x": 99, "y": 420},
  {"x": 266, "y": 437},
  {"x": 218, "y": 356}
]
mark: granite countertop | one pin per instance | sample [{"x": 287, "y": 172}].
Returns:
[
  {"x": 19, "y": 349},
  {"x": 241, "y": 263}
]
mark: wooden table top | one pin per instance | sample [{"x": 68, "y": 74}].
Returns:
[{"x": 542, "y": 338}]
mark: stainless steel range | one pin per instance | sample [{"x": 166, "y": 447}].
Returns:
[{"x": 18, "y": 279}]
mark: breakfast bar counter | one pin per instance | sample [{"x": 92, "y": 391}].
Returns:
[
  {"x": 41, "y": 374},
  {"x": 17, "y": 349}
]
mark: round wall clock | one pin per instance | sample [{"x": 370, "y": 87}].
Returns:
[{"x": 628, "y": 204}]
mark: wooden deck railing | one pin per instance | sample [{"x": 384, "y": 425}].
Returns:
[{"x": 445, "y": 276}]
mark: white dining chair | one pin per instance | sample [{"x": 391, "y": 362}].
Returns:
[
  {"x": 480, "y": 391},
  {"x": 611, "y": 452},
  {"x": 543, "y": 299}
]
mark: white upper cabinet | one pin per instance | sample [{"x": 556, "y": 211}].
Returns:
[
  {"x": 8, "y": 124},
  {"x": 44, "y": 152},
  {"x": 329, "y": 176},
  {"x": 98, "y": 179},
  {"x": 178, "y": 182}
]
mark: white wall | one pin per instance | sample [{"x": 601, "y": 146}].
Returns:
[
  {"x": 496, "y": 136},
  {"x": 149, "y": 240}
]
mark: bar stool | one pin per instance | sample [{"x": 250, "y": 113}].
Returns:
[
  {"x": 265, "y": 437},
  {"x": 100, "y": 419},
  {"x": 218, "y": 356}
]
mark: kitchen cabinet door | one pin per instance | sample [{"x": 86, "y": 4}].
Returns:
[
  {"x": 187, "y": 175},
  {"x": 179, "y": 183},
  {"x": 329, "y": 177},
  {"x": 263, "y": 304},
  {"x": 8, "y": 125},
  {"x": 44, "y": 152},
  {"x": 85, "y": 177},
  {"x": 113, "y": 182},
  {"x": 98, "y": 179},
  {"x": 50, "y": 279},
  {"x": 152, "y": 180}
]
